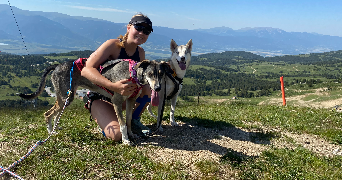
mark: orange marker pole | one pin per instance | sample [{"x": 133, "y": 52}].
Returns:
[{"x": 282, "y": 90}]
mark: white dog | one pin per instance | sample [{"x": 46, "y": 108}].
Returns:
[{"x": 179, "y": 63}]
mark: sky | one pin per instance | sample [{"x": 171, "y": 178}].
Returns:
[{"x": 313, "y": 16}]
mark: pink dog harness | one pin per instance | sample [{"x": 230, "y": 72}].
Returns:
[{"x": 133, "y": 73}]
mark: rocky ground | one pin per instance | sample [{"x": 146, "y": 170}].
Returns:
[{"x": 190, "y": 144}]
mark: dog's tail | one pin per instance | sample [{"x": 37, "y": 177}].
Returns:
[{"x": 42, "y": 84}]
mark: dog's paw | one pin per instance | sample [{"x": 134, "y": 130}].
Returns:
[
  {"x": 134, "y": 136},
  {"x": 127, "y": 142},
  {"x": 49, "y": 129},
  {"x": 160, "y": 129},
  {"x": 53, "y": 132},
  {"x": 174, "y": 123}
]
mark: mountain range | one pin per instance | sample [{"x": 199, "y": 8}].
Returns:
[{"x": 36, "y": 32}]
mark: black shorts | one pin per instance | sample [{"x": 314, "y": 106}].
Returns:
[{"x": 91, "y": 97}]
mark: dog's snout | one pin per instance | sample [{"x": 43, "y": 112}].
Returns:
[
  {"x": 157, "y": 88},
  {"x": 183, "y": 58}
]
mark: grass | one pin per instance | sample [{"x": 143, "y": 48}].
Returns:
[
  {"x": 263, "y": 68},
  {"x": 291, "y": 164},
  {"x": 5, "y": 90},
  {"x": 60, "y": 57},
  {"x": 208, "y": 168},
  {"x": 75, "y": 152},
  {"x": 78, "y": 151},
  {"x": 295, "y": 119}
]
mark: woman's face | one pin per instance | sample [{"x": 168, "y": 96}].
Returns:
[{"x": 135, "y": 36}]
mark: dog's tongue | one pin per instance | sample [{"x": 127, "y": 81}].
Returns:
[
  {"x": 154, "y": 98},
  {"x": 182, "y": 65}
]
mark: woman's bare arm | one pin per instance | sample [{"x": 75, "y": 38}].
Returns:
[{"x": 107, "y": 50}]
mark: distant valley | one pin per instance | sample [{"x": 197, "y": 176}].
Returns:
[{"x": 48, "y": 32}]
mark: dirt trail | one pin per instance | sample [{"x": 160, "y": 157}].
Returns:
[
  {"x": 299, "y": 100},
  {"x": 190, "y": 144}
]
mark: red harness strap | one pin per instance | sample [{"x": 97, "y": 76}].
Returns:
[
  {"x": 80, "y": 66},
  {"x": 79, "y": 63}
]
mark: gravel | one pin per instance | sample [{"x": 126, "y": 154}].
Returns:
[{"x": 189, "y": 144}]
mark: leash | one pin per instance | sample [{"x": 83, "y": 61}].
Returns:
[
  {"x": 6, "y": 170},
  {"x": 173, "y": 77},
  {"x": 163, "y": 106},
  {"x": 16, "y": 22}
]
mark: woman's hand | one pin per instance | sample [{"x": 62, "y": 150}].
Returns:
[{"x": 124, "y": 87}]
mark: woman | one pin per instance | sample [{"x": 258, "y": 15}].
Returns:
[{"x": 125, "y": 47}]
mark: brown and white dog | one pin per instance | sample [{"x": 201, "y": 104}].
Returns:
[{"x": 179, "y": 63}]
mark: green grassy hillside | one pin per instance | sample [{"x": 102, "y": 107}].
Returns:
[
  {"x": 80, "y": 151},
  {"x": 218, "y": 137},
  {"x": 215, "y": 74}
]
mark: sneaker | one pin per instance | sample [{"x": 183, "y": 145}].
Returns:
[{"x": 139, "y": 128}]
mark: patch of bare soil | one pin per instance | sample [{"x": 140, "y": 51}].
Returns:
[
  {"x": 298, "y": 100},
  {"x": 5, "y": 147},
  {"x": 189, "y": 144},
  {"x": 202, "y": 99}
]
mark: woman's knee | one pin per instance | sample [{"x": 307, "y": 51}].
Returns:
[
  {"x": 105, "y": 116},
  {"x": 115, "y": 136},
  {"x": 112, "y": 131}
]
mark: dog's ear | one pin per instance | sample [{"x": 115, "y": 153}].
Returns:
[
  {"x": 173, "y": 45},
  {"x": 143, "y": 64},
  {"x": 140, "y": 68},
  {"x": 189, "y": 45},
  {"x": 165, "y": 67}
]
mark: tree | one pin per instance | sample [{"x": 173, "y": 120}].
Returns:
[{"x": 45, "y": 94}]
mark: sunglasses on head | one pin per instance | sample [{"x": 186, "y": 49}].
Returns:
[{"x": 142, "y": 28}]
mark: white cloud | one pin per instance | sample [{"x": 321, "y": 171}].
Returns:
[
  {"x": 99, "y": 9},
  {"x": 192, "y": 19}
]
